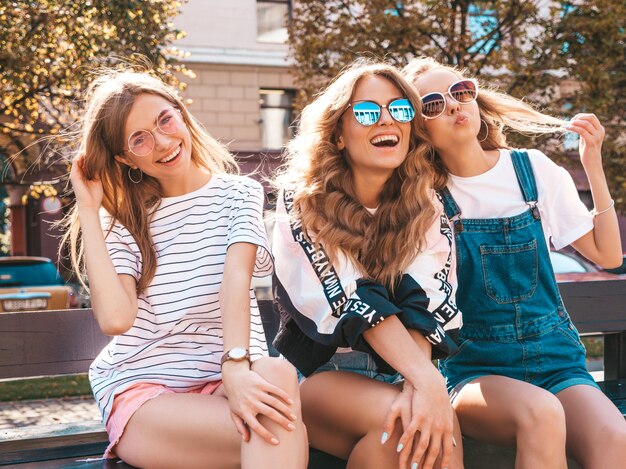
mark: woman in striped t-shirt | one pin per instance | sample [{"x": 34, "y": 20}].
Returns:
[{"x": 170, "y": 240}]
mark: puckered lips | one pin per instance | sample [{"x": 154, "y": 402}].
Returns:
[
  {"x": 461, "y": 119},
  {"x": 387, "y": 140},
  {"x": 171, "y": 157}
]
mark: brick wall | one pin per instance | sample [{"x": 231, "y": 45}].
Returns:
[{"x": 225, "y": 98}]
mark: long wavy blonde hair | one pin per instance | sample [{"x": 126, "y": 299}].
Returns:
[
  {"x": 498, "y": 111},
  {"x": 109, "y": 99},
  {"x": 380, "y": 245}
]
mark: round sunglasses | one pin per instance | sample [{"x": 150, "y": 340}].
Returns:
[
  {"x": 368, "y": 112},
  {"x": 168, "y": 121},
  {"x": 463, "y": 92}
]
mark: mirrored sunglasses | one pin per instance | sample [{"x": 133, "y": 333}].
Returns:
[
  {"x": 168, "y": 121},
  {"x": 463, "y": 92},
  {"x": 368, "y": 112}
]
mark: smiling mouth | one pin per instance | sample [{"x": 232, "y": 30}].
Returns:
[
  {"x": 171, "y": 156},
  {"x": 385, "y": 141}
]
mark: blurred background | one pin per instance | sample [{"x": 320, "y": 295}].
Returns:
[{"x": 246, "y": 68}]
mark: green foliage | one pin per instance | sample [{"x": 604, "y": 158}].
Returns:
[
  {"x": 45, "y": 387},
  {"x": 50, "y": 48},
  {"x": 594, "y": 346},
  {"x": 592, "y": 39},
  {"x": 325, "y": 36},
  {"x": 526, "y": 48}
]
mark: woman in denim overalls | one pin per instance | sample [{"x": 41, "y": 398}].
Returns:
[{"x": 519, "y": 376}]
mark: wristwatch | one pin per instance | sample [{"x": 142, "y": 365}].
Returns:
[{"x": 236, "y": 354}]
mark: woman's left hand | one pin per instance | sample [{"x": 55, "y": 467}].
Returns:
[
  {"x": 591, "y": 136},
  {"x": 430, "y": 432}
]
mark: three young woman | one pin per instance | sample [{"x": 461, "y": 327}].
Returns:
[
  {"x": 365, "y": 276},
  {"x": 170, "y": 240},
  {"x": 365, "y": 279},
  {"x": 517, "y": 343}
]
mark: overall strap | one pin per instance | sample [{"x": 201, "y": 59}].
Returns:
[
  {"x": 449, "y": 205},
  {"x": 525, "y": 178},
  {"x": 525, "y": 175}
]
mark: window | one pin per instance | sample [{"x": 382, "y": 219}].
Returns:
[
  {"x": 276, "y": 117},
  {"x": 271, "y": 18}
]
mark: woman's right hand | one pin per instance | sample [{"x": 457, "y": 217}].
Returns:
[
  {"x": 88, "y": 193},
  {"x": 428, "y": 421},
  {"x": 249, "y": 396}
]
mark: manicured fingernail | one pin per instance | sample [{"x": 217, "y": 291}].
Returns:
[
  {"x": 384, "y": 438},
  {"x": 274, "y": 441},
  {"x": 293, "y": 416},
  {"x": 399, "y": 448},
  {"x": 414, "y": 465},
  {"x": 291, "y": 426},
  {"x": 453, "y": 442}
]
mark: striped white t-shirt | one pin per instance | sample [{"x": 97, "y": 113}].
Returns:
[{"x": 176, "y": 339}]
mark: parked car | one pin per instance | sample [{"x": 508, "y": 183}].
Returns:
[
  {"x": 572, "y": 267},
  {"x": 32, "y": 284}
]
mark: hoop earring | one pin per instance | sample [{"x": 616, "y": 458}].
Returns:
[
  {"x": 486, "y": 134},
  {"x": 130, "y": 175}
]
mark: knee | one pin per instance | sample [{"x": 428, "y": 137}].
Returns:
[
  {"x": 279, "y": 372},
  {"x": 542, "y": 415}
]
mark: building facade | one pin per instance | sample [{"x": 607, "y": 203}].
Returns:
[{"x": 242, "y": 90}]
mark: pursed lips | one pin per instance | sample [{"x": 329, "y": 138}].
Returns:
[{"x": 461, "y": 119}]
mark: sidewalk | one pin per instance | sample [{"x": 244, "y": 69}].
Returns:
[
  {"x": 42, "y": 412},
  {"x": 69, "y": 410}
]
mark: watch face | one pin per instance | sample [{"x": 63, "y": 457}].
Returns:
[{"x": 237, "y": 353}]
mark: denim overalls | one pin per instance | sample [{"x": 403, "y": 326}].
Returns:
[{"x": 514, "y": 321}]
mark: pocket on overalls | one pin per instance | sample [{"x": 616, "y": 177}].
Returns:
[
  {"x": 509, "y": 271},
  {"x": 569, "y": 331}
]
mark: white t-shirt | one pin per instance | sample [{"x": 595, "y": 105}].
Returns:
[
  {"x": 497, "y": 194},
  {"x": 176, "y": 339}
]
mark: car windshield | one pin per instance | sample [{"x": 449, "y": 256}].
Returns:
[
  {"x": 563, "y": 264},
  {"x": 29, "y": 274}
]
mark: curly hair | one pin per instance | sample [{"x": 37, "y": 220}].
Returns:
[
  {"x": 109, "y": 99},
  {"x": 498, "y": 111},
  {"x": 380, "y": 245}
]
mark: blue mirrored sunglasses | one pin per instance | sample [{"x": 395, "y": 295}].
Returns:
[{"x": 368, "y": 112}]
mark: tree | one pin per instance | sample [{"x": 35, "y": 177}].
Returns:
[
  {"x": 48, "y": 52},
  {"x": 526, "y": 48},
  {"x": 590, "y": 40}
]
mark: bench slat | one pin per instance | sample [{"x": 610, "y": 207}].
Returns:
[
  {"x": 37, "y": 443},
  {"x": 30, "y": 342}
]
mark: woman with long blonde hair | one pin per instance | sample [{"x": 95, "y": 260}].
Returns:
[
  {"x": 519, "y": 377},
  {"x": 170, "y": 236},
  {"x": 364, "y": 276}
]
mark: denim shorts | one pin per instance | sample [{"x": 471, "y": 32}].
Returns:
[
  {"x": 553, "y": 359},
  {"x": 356, "y": 362}
]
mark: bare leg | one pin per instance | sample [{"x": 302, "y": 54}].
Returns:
[
  {"x": 293, "y": 450},
  {"x": 596, "y": 430},
  {"x": 195, "y": 430},
  {"x": 344, "y": 413},
  {"x": 181, "y": 430},
  {"x": 505, "y": 411}
]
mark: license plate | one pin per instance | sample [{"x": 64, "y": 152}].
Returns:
[{"x": 25, "y": 305}]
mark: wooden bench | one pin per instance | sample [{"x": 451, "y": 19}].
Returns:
[{"x": 66, "y": 342}]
